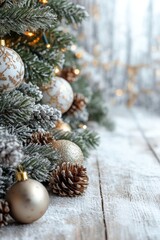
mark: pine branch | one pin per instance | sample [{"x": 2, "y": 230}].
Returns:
[
  {"x": 39, "y": 62},
  {"x": 69, "y": 11},
  {"x": 36, "y": 70},
  {"x": 6, "y": 179},
  {"x": 31, "y": 90},
  {"x": 15, "y": 108},
  {"x": 85, "y": 139},
  {"x": 21, "y": 17},
  {"x": 44, "y": 117},
  {"x": 39, "y": 161},
  {"x": 59, "y": 39},
  {"x": 37, "y": 167}
]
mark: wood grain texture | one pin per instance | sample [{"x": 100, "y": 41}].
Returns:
[
  {"x": 130, "y": 177},
  {"x": 123, "y": 198}
]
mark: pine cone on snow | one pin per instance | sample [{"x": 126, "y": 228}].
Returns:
[
  {"x": 41, "y": 138},
  {"x": 79, "y": 103},
  {"x": 69, "y": 180},
  {"x": 4, "y": 213}
]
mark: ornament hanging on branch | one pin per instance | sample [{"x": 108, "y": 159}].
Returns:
[
  {"x": 11, "y": 69},
  {"x": 58, "y": 94},
  {"x": 69, "y": 180},
  {"x": 69, "y": 151},
  {"x": 60, "y": 125},
  {"x": 27, "y": 198}
]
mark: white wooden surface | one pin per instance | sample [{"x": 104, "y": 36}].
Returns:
[{"x": 123, "y": 198}]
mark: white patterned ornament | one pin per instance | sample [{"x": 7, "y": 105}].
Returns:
[
  {"x": 11, "y": 69},
  {"x": 58, "y": 94}
]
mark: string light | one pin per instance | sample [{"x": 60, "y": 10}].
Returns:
[
  {"x": 56, "y": 70},
  {"x": 63, "y": 49},
  {"x": 83, "y": 126},
  {"x": 29, "y": 34},
  {"x": 2, "y": 42},
  {"x": 79, "y": 55},
  {"x": 73, "y": 47},
  {"x": 43, "y": 1},
  {"x": 77, "y": 71},
  {"x": 48, "y": 45}
]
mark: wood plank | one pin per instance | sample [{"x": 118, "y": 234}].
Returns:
[
  {"x": 66, "y": 218},
  {"x": 130, "y": 182},
  {"x": 150, "y": 129}
]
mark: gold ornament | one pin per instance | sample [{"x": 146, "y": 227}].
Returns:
[
  {"x": 28, "y": 199},
  {"x": 68, "y": 151},
  {"x": 63, "y": 126},
  {"x": 11, "y": 69}
]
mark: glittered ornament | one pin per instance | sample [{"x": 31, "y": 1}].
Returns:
[
  {"x": 58, "y": 94},
  {"x": 69, "y": 179},
  {"x": 27, "y": 198},
  {"x": 69, "y": 151},
  {"x": 60, "y": 125},
  {"x": 11, "y": 69}
]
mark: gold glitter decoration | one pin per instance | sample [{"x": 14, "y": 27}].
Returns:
[
  {"x": 63, "y": 126},
  {"x": 68, "y": 151}
]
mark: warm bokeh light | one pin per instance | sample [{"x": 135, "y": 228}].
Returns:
[
  {"x": 29, "y": 34},
  {"x": 77, "y": 71},
  {"x": 119, "y": 92}
]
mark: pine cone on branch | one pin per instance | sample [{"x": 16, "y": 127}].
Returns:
[
  {"x": 68, "y": 74},
  {"x": 41, "y": 138},
  {"x": 4, "y": 213},
  {"x": 69, "y": 180},
  {"x": 79, "y": 103}
]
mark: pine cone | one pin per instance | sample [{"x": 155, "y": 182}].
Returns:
[
  {"x": 41, "y": 138},
  {"x": 69, "y": 180},
  {"x": 4, "y": 213},
  {"x": 1, "y": 2},
  {"x": 68, "y": 74},
  {"x": 79, "y": 103}
]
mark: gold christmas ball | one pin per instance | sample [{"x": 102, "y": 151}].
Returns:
[
  {"x": 63, "y": 126},
  {"x": 11, "y": 69},
  {"x": 68, "y": 151},
  {"x": 28, "y": 200}
]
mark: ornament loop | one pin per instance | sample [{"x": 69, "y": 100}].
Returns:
[{"x": 21, "y": 175}]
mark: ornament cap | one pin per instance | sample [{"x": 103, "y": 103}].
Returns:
[{"x": 21, "y": 175}]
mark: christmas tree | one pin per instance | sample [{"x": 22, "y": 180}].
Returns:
[{"x": 35, "y": 97}]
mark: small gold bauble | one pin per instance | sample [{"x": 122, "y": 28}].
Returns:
[
  {"x": 28, "y": 200},
  {"x": 68, "y": 151},
  {"x": 63, "y": 126}
]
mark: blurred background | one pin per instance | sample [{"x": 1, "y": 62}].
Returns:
[{"x": 121, "y": 50}]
